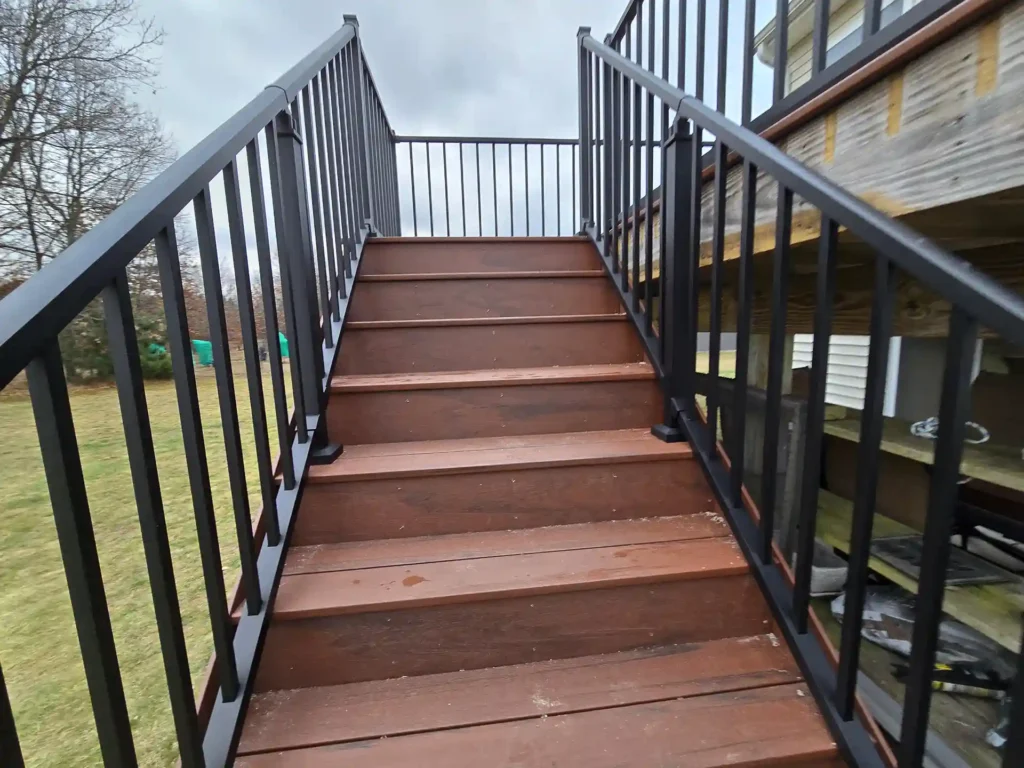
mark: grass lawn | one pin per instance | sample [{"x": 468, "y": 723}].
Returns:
[{"x": 38, "y": 646}]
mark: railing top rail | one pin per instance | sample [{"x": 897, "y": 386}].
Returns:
[
  {"x": 483, "y": 140},
  {"x": 44, "y": 304},
  {"x": 984, "y": 298}
]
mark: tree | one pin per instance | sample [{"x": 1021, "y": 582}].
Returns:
[{"x": 74, "y": 146}]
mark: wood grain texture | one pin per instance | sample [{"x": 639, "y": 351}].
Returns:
[
  {"x": 503, "y": 297},
  {"x": 387, "y": 588},
  {"x": 446, "y": 638},
  {"x": 381, "y": 417},
  {"x": 463, "y": 546},
  {"x": 495, "y": 454},
  {"x": 495, "y": 501},
  {"x": 411, "y": 256},
  {"x": 498, "y": 377},
  {"x": 314, "y": 716},
  {"x": 773, "y": 726},
  {"x": 474, "y": 347}
]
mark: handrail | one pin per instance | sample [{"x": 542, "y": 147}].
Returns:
[
  {"x": 613, "y": 93},
  {"x": 56, "y": 294},
  {"x": 990, "y": 302}
]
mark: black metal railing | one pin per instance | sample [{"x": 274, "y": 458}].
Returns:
[
  {"x": 830, "y": 61},
  {"x": 441, "y": 173},
  {"x": 619, "y": 177},
  {"x": 331, "y": 171}
]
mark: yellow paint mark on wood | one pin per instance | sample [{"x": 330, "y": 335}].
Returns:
[
  {"x": 894, "y": 116},
  {"x": 830, "y": 137},
  {"x": 988, "y": 57}
]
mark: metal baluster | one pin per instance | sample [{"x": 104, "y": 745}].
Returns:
[
  {"x": 572, "y": 152},
  {"x": 195, "y": 458},
  {"x": 776, "y": 353},
  {"x": 479, "y": 196},
  {"x": 819, "y": 52},
  {"x": 226, "y": 397},
  {"x": 649, "y": 173},
  {"x": 744, "y": 312},
  {"x": 511, "y": 210},
  {"x": 624, "y": 202},
  {"x": 447, "y": 207},
  {"x": 341, "y": 237},
  {"x": 430, "y": 190},
  {"x": 543, "y": 226},
  {"x": 346, "y": 117},
  {"x": 344, "y": 181},
  {"x": 717, "y": 286},
  {"x": 62, "y": 464},
  {"x": 412, "y": 182},
  {"x": 722, "y": 54},
  {"x": 615, "y": 169},
  {"x": 318, "y": 223},
  {"x": 558, "y": 188},
  {"x": 872, "y": 17},
  {"x": 868, "y": 448},
  {"x": 462, "y": 188},
  {"x": 637, "y": 159},
  {"x": 269, "y": 312},
  {"x": 693, "y": 282},
  {"x": 610, "y": 145},
  {"x": 681, "y": 63},
  {"x": 954, "y": 409},
  {"x": 254, "y": 374},
  {"x": 602, "y": 139},
  {"x": 526, "y": 176},
  {"x": 10, "y": 747},
  {"x": 699, "y": 62},
  {"x": 747, "y": 96},
  {"x": 332, "y": 235},
  {"x": 811, "y": 477},
  {"x": 287, "y": 292},
  {"x": 584, "y": 64},
  {"x": 781, "y": 49},
  {"x": 494, "y": 183},
  {"x": 124, "y": 356}
]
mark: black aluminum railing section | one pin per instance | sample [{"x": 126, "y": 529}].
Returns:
[
  {"x": 616, "y": 206},
  {"x": 498, "y": 187},
  {"x": 331, "y": 172},
  {"x": 831, "y": 61}
]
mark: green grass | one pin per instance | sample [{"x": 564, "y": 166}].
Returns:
[{"x": 39, "y": 649}]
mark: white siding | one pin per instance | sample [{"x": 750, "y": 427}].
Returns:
[{"x": 848, "y": 369}]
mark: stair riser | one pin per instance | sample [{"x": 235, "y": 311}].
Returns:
[
  {"x": 448, "y": 638},
  {"x": 433, "y": 299},
  {"x": 445, "y": 256},
  {"x": 441, "y": 414},
  {"x": 482, "y": 347},
  {"x": 363, "y": 510}
]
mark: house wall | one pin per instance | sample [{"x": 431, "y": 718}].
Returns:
[{"x": 847, "y": 374}]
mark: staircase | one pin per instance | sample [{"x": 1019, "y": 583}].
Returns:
[{"x": 505, "y": 568}]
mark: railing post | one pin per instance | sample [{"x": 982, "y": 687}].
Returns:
[
  {"x": 362, "y": 128},
  {"x": 300, "y": 261},
  {"x": 585, "y": 181},
  {"x": 678, "y": 381}
]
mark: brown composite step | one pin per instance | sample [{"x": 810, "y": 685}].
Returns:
[
  {"x": 434, "y": 487},
  {"x": 477, "y": 343},
  {"x": 419, "y": 256},
  {"x": 753, "y": 676},
  {"x": 507, "y": 294},
  {"x": 443, "y": 604},
  {"x": 520, "y": 401}
]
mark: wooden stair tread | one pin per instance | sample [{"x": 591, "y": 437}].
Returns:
[
  {"x": 346, "y": 556},
  {"x": 776, "y": 725},
  {"x": 453, "y": 322},
  {"x": 306, "y": 717},
  {"x": 415, "y": 276},
  {"x": 495, "y": 377},
  {"x": 336, "y": 593},
  {"x": 496, "y": 454}
]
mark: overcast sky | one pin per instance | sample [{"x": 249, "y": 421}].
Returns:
[{"x": 448, "y": 67}]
